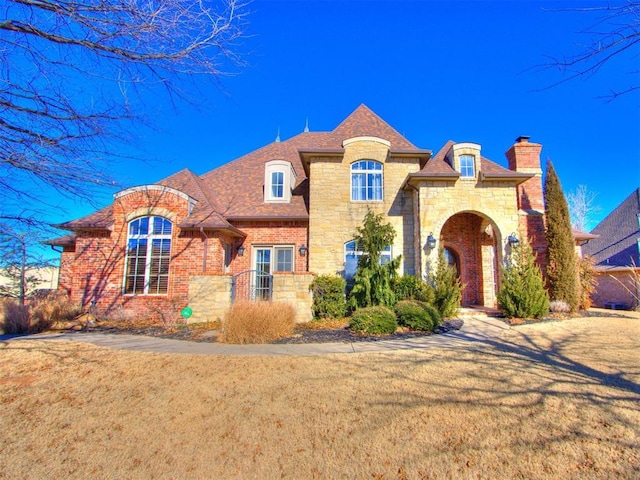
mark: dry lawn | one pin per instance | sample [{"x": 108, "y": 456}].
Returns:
[{"x": 553, "y": 400}]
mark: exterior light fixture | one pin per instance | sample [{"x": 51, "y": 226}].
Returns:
[
  {"x": 513, "y": 240},
  {"x": 302, "y": 250},
  {"x": 240, "y": 250},
  {"x": 431, "y": 241}
]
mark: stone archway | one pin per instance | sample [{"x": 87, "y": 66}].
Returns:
[{"x": 472, "y": 237}]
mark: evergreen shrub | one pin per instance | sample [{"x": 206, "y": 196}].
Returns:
[
  {"x": 522, "y": 294},
  {"x": 411, "y": 314},
  {"x": 433, "y": 312},
  {"x": 328, "y": 297},
  {"x": 377, "y": 320},
  {"x": 446, "y": 287},
  {"x": 410, "y": 287}
]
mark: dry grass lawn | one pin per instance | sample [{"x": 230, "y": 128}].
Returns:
[{"x": 553, "y": 400}]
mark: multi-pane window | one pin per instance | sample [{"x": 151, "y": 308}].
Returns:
[
  {"x": 274, "y": 259},
  {"x": 148, "y": 256},
  {"x": 366, "y": 180},
  {"x": 467, "y": 166},
  {"x": 277, "y": 184},
  {"x": 352, "y": 253}
]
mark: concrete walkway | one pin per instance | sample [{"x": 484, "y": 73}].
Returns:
[{"x": 476, "y": 328}]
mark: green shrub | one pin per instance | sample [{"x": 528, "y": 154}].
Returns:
[
  {"x": 447, "y": 288},
  {"x": 433, "y": 312},
  {"x": 522, "y": 294},
  {"x": 374, "y": 320},
  {"x": 411, "y": 314},
  {"x": 410, "y": 287},
  {"x": 328, "y": 297}
]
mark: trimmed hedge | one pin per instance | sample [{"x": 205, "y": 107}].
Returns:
[
  {"x": 374, "y": 320},
  {"x": 328, "y": 297},
  {"x": 411, "y": 314},
  {"x": 433, "y": 312}
]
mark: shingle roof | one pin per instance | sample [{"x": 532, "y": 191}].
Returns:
[
  {"x": 439, "y": 167},
  {"x": 236, "y": 190},
  {"x": 619, "y": 232},
  {"x": 240, "y": 184}
]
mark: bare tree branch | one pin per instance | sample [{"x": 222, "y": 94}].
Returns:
[
  {"x": 72, "y": 74},
  {"x": 614, "y": 35}
]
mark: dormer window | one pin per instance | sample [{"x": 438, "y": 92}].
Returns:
[
  {"x": 467, "y": 166},
  {"x": 279, "y": 181}
]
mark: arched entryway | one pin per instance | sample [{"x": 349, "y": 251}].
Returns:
[{"x": 471, "y": 243}]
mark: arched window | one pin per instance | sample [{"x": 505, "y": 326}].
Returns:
[
  {"x": 352, "y": 254},
  {"x": 366, "y": 181},
  {"x": 148, "y": 256}
]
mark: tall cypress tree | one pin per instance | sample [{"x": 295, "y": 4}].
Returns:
[{"x": 562, "y": 272}]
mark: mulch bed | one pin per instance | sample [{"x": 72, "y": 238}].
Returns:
[{"x": 329, "y": 335}]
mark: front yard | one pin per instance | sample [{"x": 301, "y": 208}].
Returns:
[{"x": 549, "y": 400}]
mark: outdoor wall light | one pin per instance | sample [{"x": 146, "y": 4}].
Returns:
[
  {"x": 513, "y": 240},
  {"x": 240, "y": 251},
  {"x": 431, "y": 241},
  {"x": 302, "y": 250}
]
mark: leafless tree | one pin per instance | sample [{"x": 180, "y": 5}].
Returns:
[
  {"x": 614, "y": 34},
  {"x": 74, "y": 75},
  {"x": 582, "y": 207}
]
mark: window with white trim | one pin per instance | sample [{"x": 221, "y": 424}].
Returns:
[
  {"x": 366, "y": 181},
  {"x": 279, "y": 181},
  {"x": 352, "y": 253},
  {"x": 467, "y": 166},
  {"x": 273, "y": 259},
  {"x": 148, "y": 256}
]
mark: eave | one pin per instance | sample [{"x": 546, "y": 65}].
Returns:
[{"x": 515, "y": 177}]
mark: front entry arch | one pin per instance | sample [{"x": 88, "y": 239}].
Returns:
[{"x": 472, "y": 237}]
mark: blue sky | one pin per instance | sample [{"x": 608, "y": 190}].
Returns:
[{"x": 435, "y": 71}]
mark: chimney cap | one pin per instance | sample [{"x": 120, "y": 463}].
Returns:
[{"x": 523, "y": 139}]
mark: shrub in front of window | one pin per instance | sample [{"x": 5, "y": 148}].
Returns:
[
  {"x": 373, "y": 321},
  {"x": 588, "y": 281},
  {"x": 328, "y": 297},
  {"x": 410, "y": 287},
  {"x": 373, "y": 279},
  {"x": 411, "y": 314},
  {"x": 447, "y": 288},
  {"x": 522, "y": 294}
]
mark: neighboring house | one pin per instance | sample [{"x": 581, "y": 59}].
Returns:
[
  {"x": 291, "y": 209},
  {"x": 44, "y": 278},
  {"x": 616, "y": 251}
]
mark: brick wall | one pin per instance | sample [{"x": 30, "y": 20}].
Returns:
[{"x": 609, "y": 289}]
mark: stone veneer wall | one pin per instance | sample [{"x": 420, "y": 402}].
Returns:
[
  {"x": 293, "y": 288},
  {"x": 210, "y": 295},
  {"x": 334, "y": 217},
  {"x": 494, "y": 201}
]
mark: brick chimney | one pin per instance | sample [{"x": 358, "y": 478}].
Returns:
[{"x": 524, "y": 157}]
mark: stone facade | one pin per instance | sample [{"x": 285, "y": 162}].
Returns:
[{"x": 334, "y": 217}]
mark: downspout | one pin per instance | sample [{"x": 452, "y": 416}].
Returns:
[{"x": 204, "y": 253}]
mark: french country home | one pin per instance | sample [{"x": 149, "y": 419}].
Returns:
[{"x": 263, "y": 225}]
